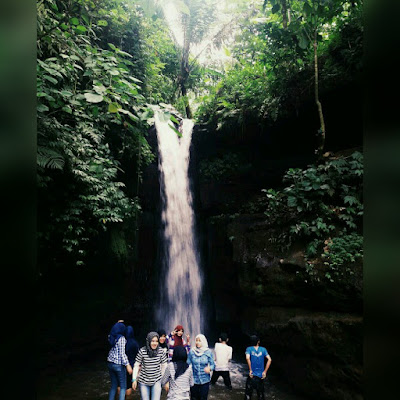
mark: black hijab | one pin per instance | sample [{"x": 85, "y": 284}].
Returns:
[
  {"x": 179, "y": 359},
  {"x": 162, "y": 345},
  {"x": 132, "y": 346}
]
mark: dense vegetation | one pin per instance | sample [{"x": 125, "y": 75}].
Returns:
[
  {"x": 273, "y": 72},
  {"x": 97, "y": 70},
  {"x": 101, "y": 64},
  {"x": 322, "y": 206},
  {"x": 272, "y": 76}
]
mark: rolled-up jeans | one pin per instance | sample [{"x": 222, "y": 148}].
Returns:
[
  {"x": 150, "y": 392},
  {"x": 118, "y": 378}
]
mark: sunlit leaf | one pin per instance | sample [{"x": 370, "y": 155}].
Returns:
[
  {"x": 113, "y": 107},
  {"x": 93, "y": 98},
  {"x": 81, "y": 28}
]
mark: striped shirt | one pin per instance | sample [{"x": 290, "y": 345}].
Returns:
[
  {"x": 150, "y": 367},
  {"x": 117, "y": 353},
  {"x": 178, "y": 389}
]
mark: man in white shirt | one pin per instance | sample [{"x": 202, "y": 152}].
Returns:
[{"x": 222, "y": 355}]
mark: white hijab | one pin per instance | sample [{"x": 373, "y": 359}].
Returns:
[{"x": 204, "y": 345}]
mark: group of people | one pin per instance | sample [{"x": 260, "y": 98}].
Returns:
[{"x": 169, "y": 361}]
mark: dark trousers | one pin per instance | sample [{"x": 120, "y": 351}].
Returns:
[
  {"x": 199, "y": 392},
  {"x": 225, "y": 376},
  {"x": 257, "y": 384}
]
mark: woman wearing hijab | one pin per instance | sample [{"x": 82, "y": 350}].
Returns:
[
  {"x": 202, "y": 362},
  {"x": 175, "y": 339},
  {"x": 152, "y": 361},
  {"x": 117, "y": 361},
  {"x": 179, "y": 375},
  {"x": 131, "y": 350},
  {"x": 163, "y": 339}
]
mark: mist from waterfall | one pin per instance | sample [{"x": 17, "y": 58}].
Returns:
[{"x": 181, "y": 280}]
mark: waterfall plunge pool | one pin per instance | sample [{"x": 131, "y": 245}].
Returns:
[{"x": 91, "y": 381}]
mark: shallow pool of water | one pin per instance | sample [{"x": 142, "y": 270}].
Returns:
[{"x": 91, "y": 381}]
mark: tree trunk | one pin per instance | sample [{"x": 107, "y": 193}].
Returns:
[
  {"x": 321, "y": 138},
  {"x": 284, "y": 13},
  {"x": 187, "y": 106}
]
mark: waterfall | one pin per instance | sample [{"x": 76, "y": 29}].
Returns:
[{"x": 181, "y": 281}]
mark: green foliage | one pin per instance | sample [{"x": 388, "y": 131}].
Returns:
[
  {"x": 237, "y": 99},
  {"x": 322, "y": 206},
  {"x": 162, "y": 62},
  {"x": 100, "y": 63},
  {"x": 272, "y": 75},
  {"x": 92, "y": 120},
  {"x": 340, "y": 252}
]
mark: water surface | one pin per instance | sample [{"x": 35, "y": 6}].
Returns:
[{"x": 91, "y": 382}]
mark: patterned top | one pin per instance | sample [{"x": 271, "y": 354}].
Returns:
[
  {"x": 199, "y": 363},
  {"x": 171, "y": 345},
  {"x": 117, "y": 353},
  {"x": 178, "y": 389},
  {"x": 150, "y": 367}
]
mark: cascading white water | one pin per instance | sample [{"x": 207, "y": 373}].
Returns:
[{"x": 181, "y": 283}]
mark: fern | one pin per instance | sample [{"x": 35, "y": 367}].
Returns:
[{"x": 49, "y": 158}]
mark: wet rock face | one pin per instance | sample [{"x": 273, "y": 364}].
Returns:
[
  {"x": 269, "y": 276},
  {"x": 319, "y": 353},
  {"x": 313, "y": 331}
]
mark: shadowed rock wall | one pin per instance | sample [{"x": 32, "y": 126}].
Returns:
[{"x": 313, "y": 331}]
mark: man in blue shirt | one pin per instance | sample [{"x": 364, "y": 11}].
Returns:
[{"x": 255, "y": 357}]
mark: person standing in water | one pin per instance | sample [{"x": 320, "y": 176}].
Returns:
[
  {"x": 175, "y": 339},
  {"x": 223, "y": 354},
  {"x": 255, "y": 357},
  {"x": 152, "y": 361},
  {"x": 202, "y": 362},
  {"x": 131, "y": 350},
  {"x": 117, "y": 361},
  {"x": 178, "y": 376}
]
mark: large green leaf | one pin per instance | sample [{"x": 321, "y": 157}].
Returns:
[
  {"x": 113, "y": 107},
  {"x": 74, "y": 21},
  {"x": 42, "y": 108},
  {"x": 80, "y": 29},
  {"x": 93, "y": 98},
  {"x": 50, "y": 79}
]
